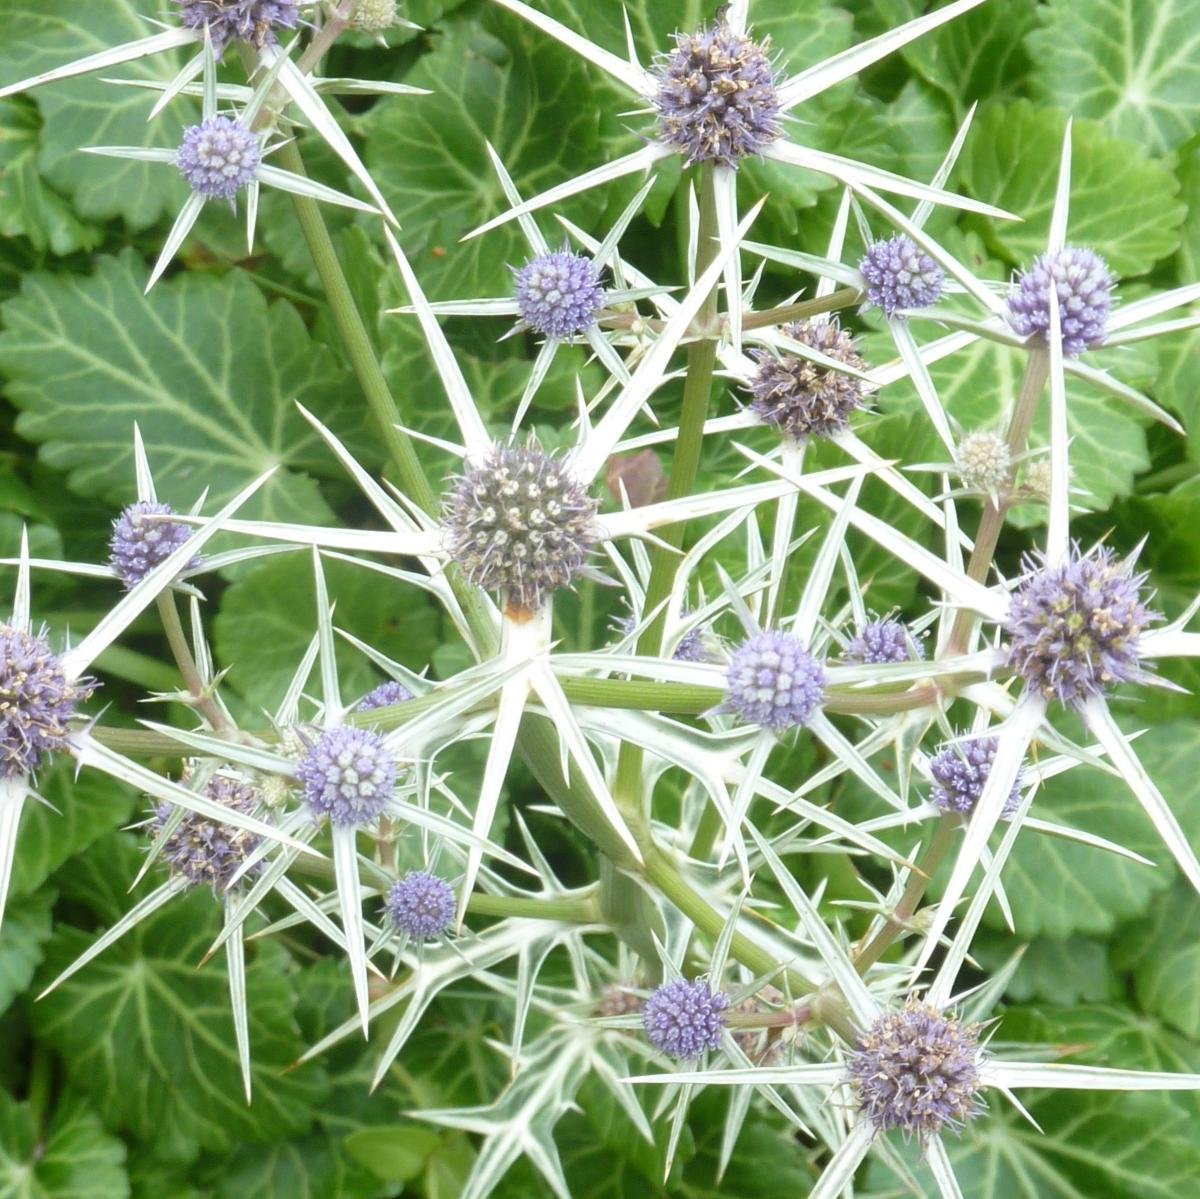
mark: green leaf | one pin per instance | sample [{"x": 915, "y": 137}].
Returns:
[
  {"x": 26, "y": 928},
  {"x": 74, "y": 1158},
  {"x": 86, "y": 112},
  {"x": 209, "y": 370},
  {"x": 1074, "y": 970},
  {"x": 305, "y": 1168},
  {"x": 1163, "y": 952},
  {"x": 1124, "y": 204},
  {"x": 1134, "y": 66},
  {"x": 393, "y": 1152}
]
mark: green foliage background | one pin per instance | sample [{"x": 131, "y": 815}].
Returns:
[{"x": 123, "y": 1082}]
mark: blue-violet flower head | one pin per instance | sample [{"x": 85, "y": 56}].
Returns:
[
  {"x": 774, "y": 681},
  {"x": 682, "y": 1019},
  {"x": 692, "y": 646},
  {"x": 1084, "y": 287},
  {"x": 138, "y": 545},
  {"x": 253, "y": 21},
  {"x": 900, "y": 274},
  {"x": 205, "y": 851},
  {"x": 559, "y": 294},
  {"x": 384, "y": 696},
  {"x": 348, "y": 775},
  {"x": 960, "y": 772},
  {"x": 882, "y": 641},
  {"x": 218, "y": 157},
  {"x": 421, "y": 905}
]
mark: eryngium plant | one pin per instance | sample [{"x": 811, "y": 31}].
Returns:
[{"x": 716, "y": 643}]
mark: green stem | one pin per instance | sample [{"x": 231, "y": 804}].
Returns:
[
  {"x": 182, "y": 652},
  {"x": 845, "y": 297},
  {"x": 575, "y": 910}
]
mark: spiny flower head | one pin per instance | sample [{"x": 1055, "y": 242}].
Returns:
[
  {"x": 202, "y": 850},
  {"x": 218, "y": 157},
  {"x": 253, "y": 21},
  {"x": 983, "y": 461},
  {"x": 421, "y": 905},
  {"x": 1084, "y": 287},
  {"x": 618, "y": 1000},
  {"x": 1073, "y": 628},
  {"x": 519, "y": 523},
  {"x": 960, "y": 771},
  {"x": 384, "y": 696},
  {"x": 716, "y": 97},
  {"x": 559, "y": 294},
  {"x": 348, "y": 775},
  {"x": 801, "y": 398},
  {"x": 138, "y": 545},
  {"x": 682, "y": 1019},
  {"x": 917, "y": 1070},
  {"x": 36, "y": 702},
  {"x": 691, "y": 648},
  {"x": 900, "y": 274},
  {"x": 373, "y": 16},
  {"x": 882, "y": 641},
  {"x": 774, "y": 681}
]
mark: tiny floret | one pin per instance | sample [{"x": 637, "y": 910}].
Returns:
[
  {"x": 373, "y": 16},
  {"x": 348, "y": 775},
  {"x": 1073, "y": 628},
  {"x": 559, "y": 294},
  {"x": 984, "y": 461},
  {"x": 881, "y": 641},
  {"x": 900, "y": 275},
  {"x": 960, "y": 772},
  {"x": 774, "y": 681},
  {"x": 138, "y": 545},
  {"x": 799, "y": 397},
  {"x": 421, "y": 905},
  {"x": 520, "y": 524},
  {"x": 206, "y": 852},
  {"x": 682, "y": 1019},
  {"x": 1084, "y": 287},
  {"x": 716, "y": 98},
  {"x": 218, "y": 157},
  {"x": 917, "y": 1070},
  {"x": 253, "y": 21},
  {"x": 37, "y": 702},
  {"x": 384, "y": 696}
]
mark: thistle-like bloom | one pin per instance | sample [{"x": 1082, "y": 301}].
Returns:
[
  {"x": 384, "y": 696},
  {"x": 373, "y": 16},
  {"x": 882, "y": 641},
  {"x": 716, "y": 97},
  {"x": 960, "y": 771},
  {"x": 1084, "y": 286},
  {"x": 138, "y": 545},
  {"x": 202, "y": 850},
  {"x": 218, "y": 157},
  {"x": 691, "y": 647},
  {"x": 421, "y": 905},
  {"x": 900, "y": 274},
  {"x": 559, "y": 294},
  {"x": 801, "y": 398},
  {"x": 520, "y": 524},
  {"x": 1073, "y": 628},
  {"x": 616, "y": 1000},
  {"x": 348, "y": 775},
  {"x": 774, "y": 681},
  {"x": 983, "y": 461},
  {"x": 682, "y": 1019},
  {"x": 36, "y": 702},
  {"x": 917, "y": 1070},
  {"x": 253, "y": 21}
]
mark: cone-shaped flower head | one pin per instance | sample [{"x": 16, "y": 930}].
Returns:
[
  {"x": 881, "y": 641},
  {"x": 36, "y": 702},
  {"x": 960, "y": 771},
  {"x": 253, "y": 21},
  {"x": 716, "y": 97},
  {"x": 900, "y": 274},
  {"x": 1073, "y": 628},
  {"x": 138, "y": 545},
  {"x": 801, "y": 398},
  {"x": 204, "y": 851},
  {"x": 373, "y": 16},
  {"x": 384, "y": 696},
  {"x": 983, "y": 461},
  {"x": 519, "y": 523},
  {"x": 559, "y": 294},
  {"x": 917, "y": 1070},
  {"x": 682, "y": 1019},
  {"x": 421, "y": 905},
  {"x": 1084, "y": 286},
  {"x": 774, "y": 681},
  {"x": 218, "y": 157},
  {"x": 348, "y": 775}
]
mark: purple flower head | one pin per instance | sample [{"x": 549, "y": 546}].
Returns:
[
  {"x": 691, "y": 647},
  {"x": 138, "y": 545},
  {"x": 900, "y": 274},
  {"x": 421, "y": 905},
  {"x": 617, "y": 1000},
  {"x": 716, "y": 97},
  {"x": 559, "y": 294},
  {"x": 37, "y": 702},
  {"x": 917, "y": 1070},
  {"x": 384, "y": 696},
  {"x": 801, "y": 398},
  {"x": 348, "y": 775},
  {"x": 218, "y": 157},
  {"x": 1073, "y": 628},
  {"x": 1084, "y": 286},
  {"x": 204, "y": 851},
  {"x": 253, "y": 21},
  {"x": 960, "y": 771},
  {"x": 520, "y": 523},
  {"x": 881, "y": 641},
  {"x": 774, "y": 681},
  {"x": 682, "y": 1019}
]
